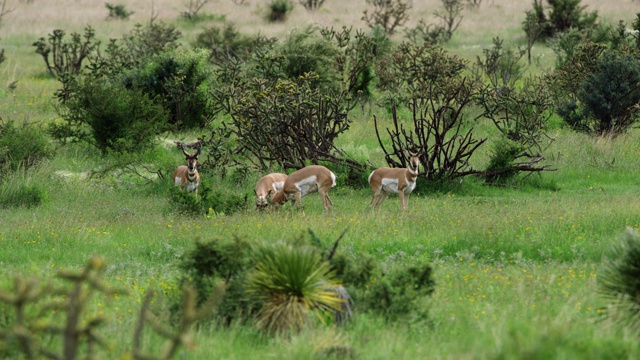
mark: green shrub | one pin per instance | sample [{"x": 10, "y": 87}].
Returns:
[
  {"x": 109, "y": 117},
  {"x": 21, "y": 193},
  {"x": 279, "y": 10},
  {"x": 501, "y": 165},
  {"x": 22, "y": 146},
  {"x": 226, "y": 42},
  {"x": 65, "y": 57},
  {"x": 619, "y": 281},
  {"x": 209, "y": 202},
  {"x": 400, "y": 294},
  {"x": 118, "y": 11},
  {"x": 179, "y": 81},
  {"x": 562, "y": 16},
  {"x": 135, "y": 48},
  {"x": 599, "y": 91},
  {"x": 294, "y": 283},
  {"x": 610, "y": 96},
  {"x": 387, "y": 14}
]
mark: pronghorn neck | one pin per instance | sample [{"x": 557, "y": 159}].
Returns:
[{"x": 192, "y": 175}]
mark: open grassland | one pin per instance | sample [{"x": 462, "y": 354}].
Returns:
[{"x": 516, "y": 268}]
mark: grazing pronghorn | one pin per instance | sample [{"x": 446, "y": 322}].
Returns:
[
  {"x": 268, "y": 186},
  {"x": 186, "y": 176},
  {"x": 304, "y": 181},
  {"x": 401, "y": 181}
]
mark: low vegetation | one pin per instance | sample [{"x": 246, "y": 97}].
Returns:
[{"x": 522, "y": 225}]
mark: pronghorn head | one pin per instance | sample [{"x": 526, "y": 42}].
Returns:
[
  {"x": 414, "y": 161},
  {"x": 192, "y": 160}
]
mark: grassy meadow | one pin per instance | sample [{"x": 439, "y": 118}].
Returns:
[{"x": 516, "y": 267}]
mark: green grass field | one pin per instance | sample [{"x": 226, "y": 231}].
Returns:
[{"x": 516, "y": 267}]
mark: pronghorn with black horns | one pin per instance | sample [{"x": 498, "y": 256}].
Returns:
[
  {"x": 401, "y": 181},
  {"x": 186, "y": 176}
]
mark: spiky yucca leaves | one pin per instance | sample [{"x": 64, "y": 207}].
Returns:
[
  {"x": 619, "y": 281},
  {"x": 294, "y": 282}
]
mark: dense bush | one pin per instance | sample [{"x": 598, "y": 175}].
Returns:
[
  {"x": 561, "y": 16},
  {"x": 606, "y": 100},
  {"x": 279, "y": 10},
  {"x": 118, "y": 11},
  {"x": 135, "y": 48},
  {"x": 21, "y": 193},
  {"x": 209, "y": 202},
  {"x": 108, "y": 116},
  {"x": 179, "y": 81},
  {"x": 226, "y": 42},
  {"x": 22, "y": 146}
]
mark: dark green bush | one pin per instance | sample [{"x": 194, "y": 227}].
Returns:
[
  {"x": 501, "y": 165},
  {"x": 209, "y": 202},
  {"x": 118, "y": 11},
  {"x": 135, "y": 48},
  {"x": 109, "y": 117},
  {"x": 561, "y": 16},
  {"x": 279, "y": 10},
  {"x": 400, "y": 294},
  {"x": 65, "y": 57},
  {"x": 226, "y": 42},
  {"x": 179, "y": 81},
  {"x": 22, "y": 146},
  {"x": 21, "y": 194},
  {"x": 606, "y": 97}
]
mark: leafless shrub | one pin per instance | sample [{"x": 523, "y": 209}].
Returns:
[
  {"x": 311, "y": 4},
  {"x": 387, "y": 14}
]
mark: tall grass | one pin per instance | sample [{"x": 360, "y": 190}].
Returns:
[{"x": 515, "y": 266}]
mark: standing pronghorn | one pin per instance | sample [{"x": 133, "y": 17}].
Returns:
[
  {"x": 186, "y": 176},
  {"x": 401, "y": 181},
  {"x": 268, "y": 186},
  {"x": 304, "y": 181}
]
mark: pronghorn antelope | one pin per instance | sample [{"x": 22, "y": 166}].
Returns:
[
  {"x": 304, "y": 181},
  {"x": 186, "y": 176},
  {"x": 268, "y": 186},
  {"x": 401, "y": 181}
]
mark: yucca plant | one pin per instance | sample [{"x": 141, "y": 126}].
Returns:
[
  {"x": 295, "y": 285},
  {"x": 619, "y": 281}
]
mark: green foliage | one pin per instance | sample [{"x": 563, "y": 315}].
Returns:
[
  {"x": 619, "y": 281},
  {"x": 118, "y": 11},
  {"x": 279, "y": 10},
  {"x": 293, "y": 282},
  {"x": 135, "y": 48},
  {"x": 286, "y": 123},
  {"x": 179, "y": 81},
  {"x": 501, "y": 165},
  {"x": 209, "y": 202},
  {"x": 22, "y": 146},
  {"x": 610, "y": 96},
  {"x": 19, "y": 192},
  {"x": 401, "y": 293},
  {"x": 63, "y": 57},
  {"x": 226, "y": 42},
  {"x": 600, "y": 91},
  {"x": 562, "y": 16},
  {"x": 109, "y": 117}
]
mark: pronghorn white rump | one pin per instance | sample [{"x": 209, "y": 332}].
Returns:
[
  {"x": 268, "y": 186},
  {"x": 400, "y": 181},
  {"x": 314, "y": 178}
]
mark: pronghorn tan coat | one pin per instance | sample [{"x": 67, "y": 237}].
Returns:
[
  {"x": 314, "y": 178},
  {"x": 187, "y": 176},
  {"x": 401, "y": 181},
  {"x": 268, "y": 186}
]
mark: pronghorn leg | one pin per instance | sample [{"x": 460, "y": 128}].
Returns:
[
  {"x": 374, "y": 197},
  {"x": 383, "y": 197},
  {"x": 402, "y": 200},
  {"x": 326, "y": 200}
]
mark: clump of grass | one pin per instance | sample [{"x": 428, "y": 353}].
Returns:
[
  {"x": 294, "y": 282},
  {"x": 620, "y": 281}
]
